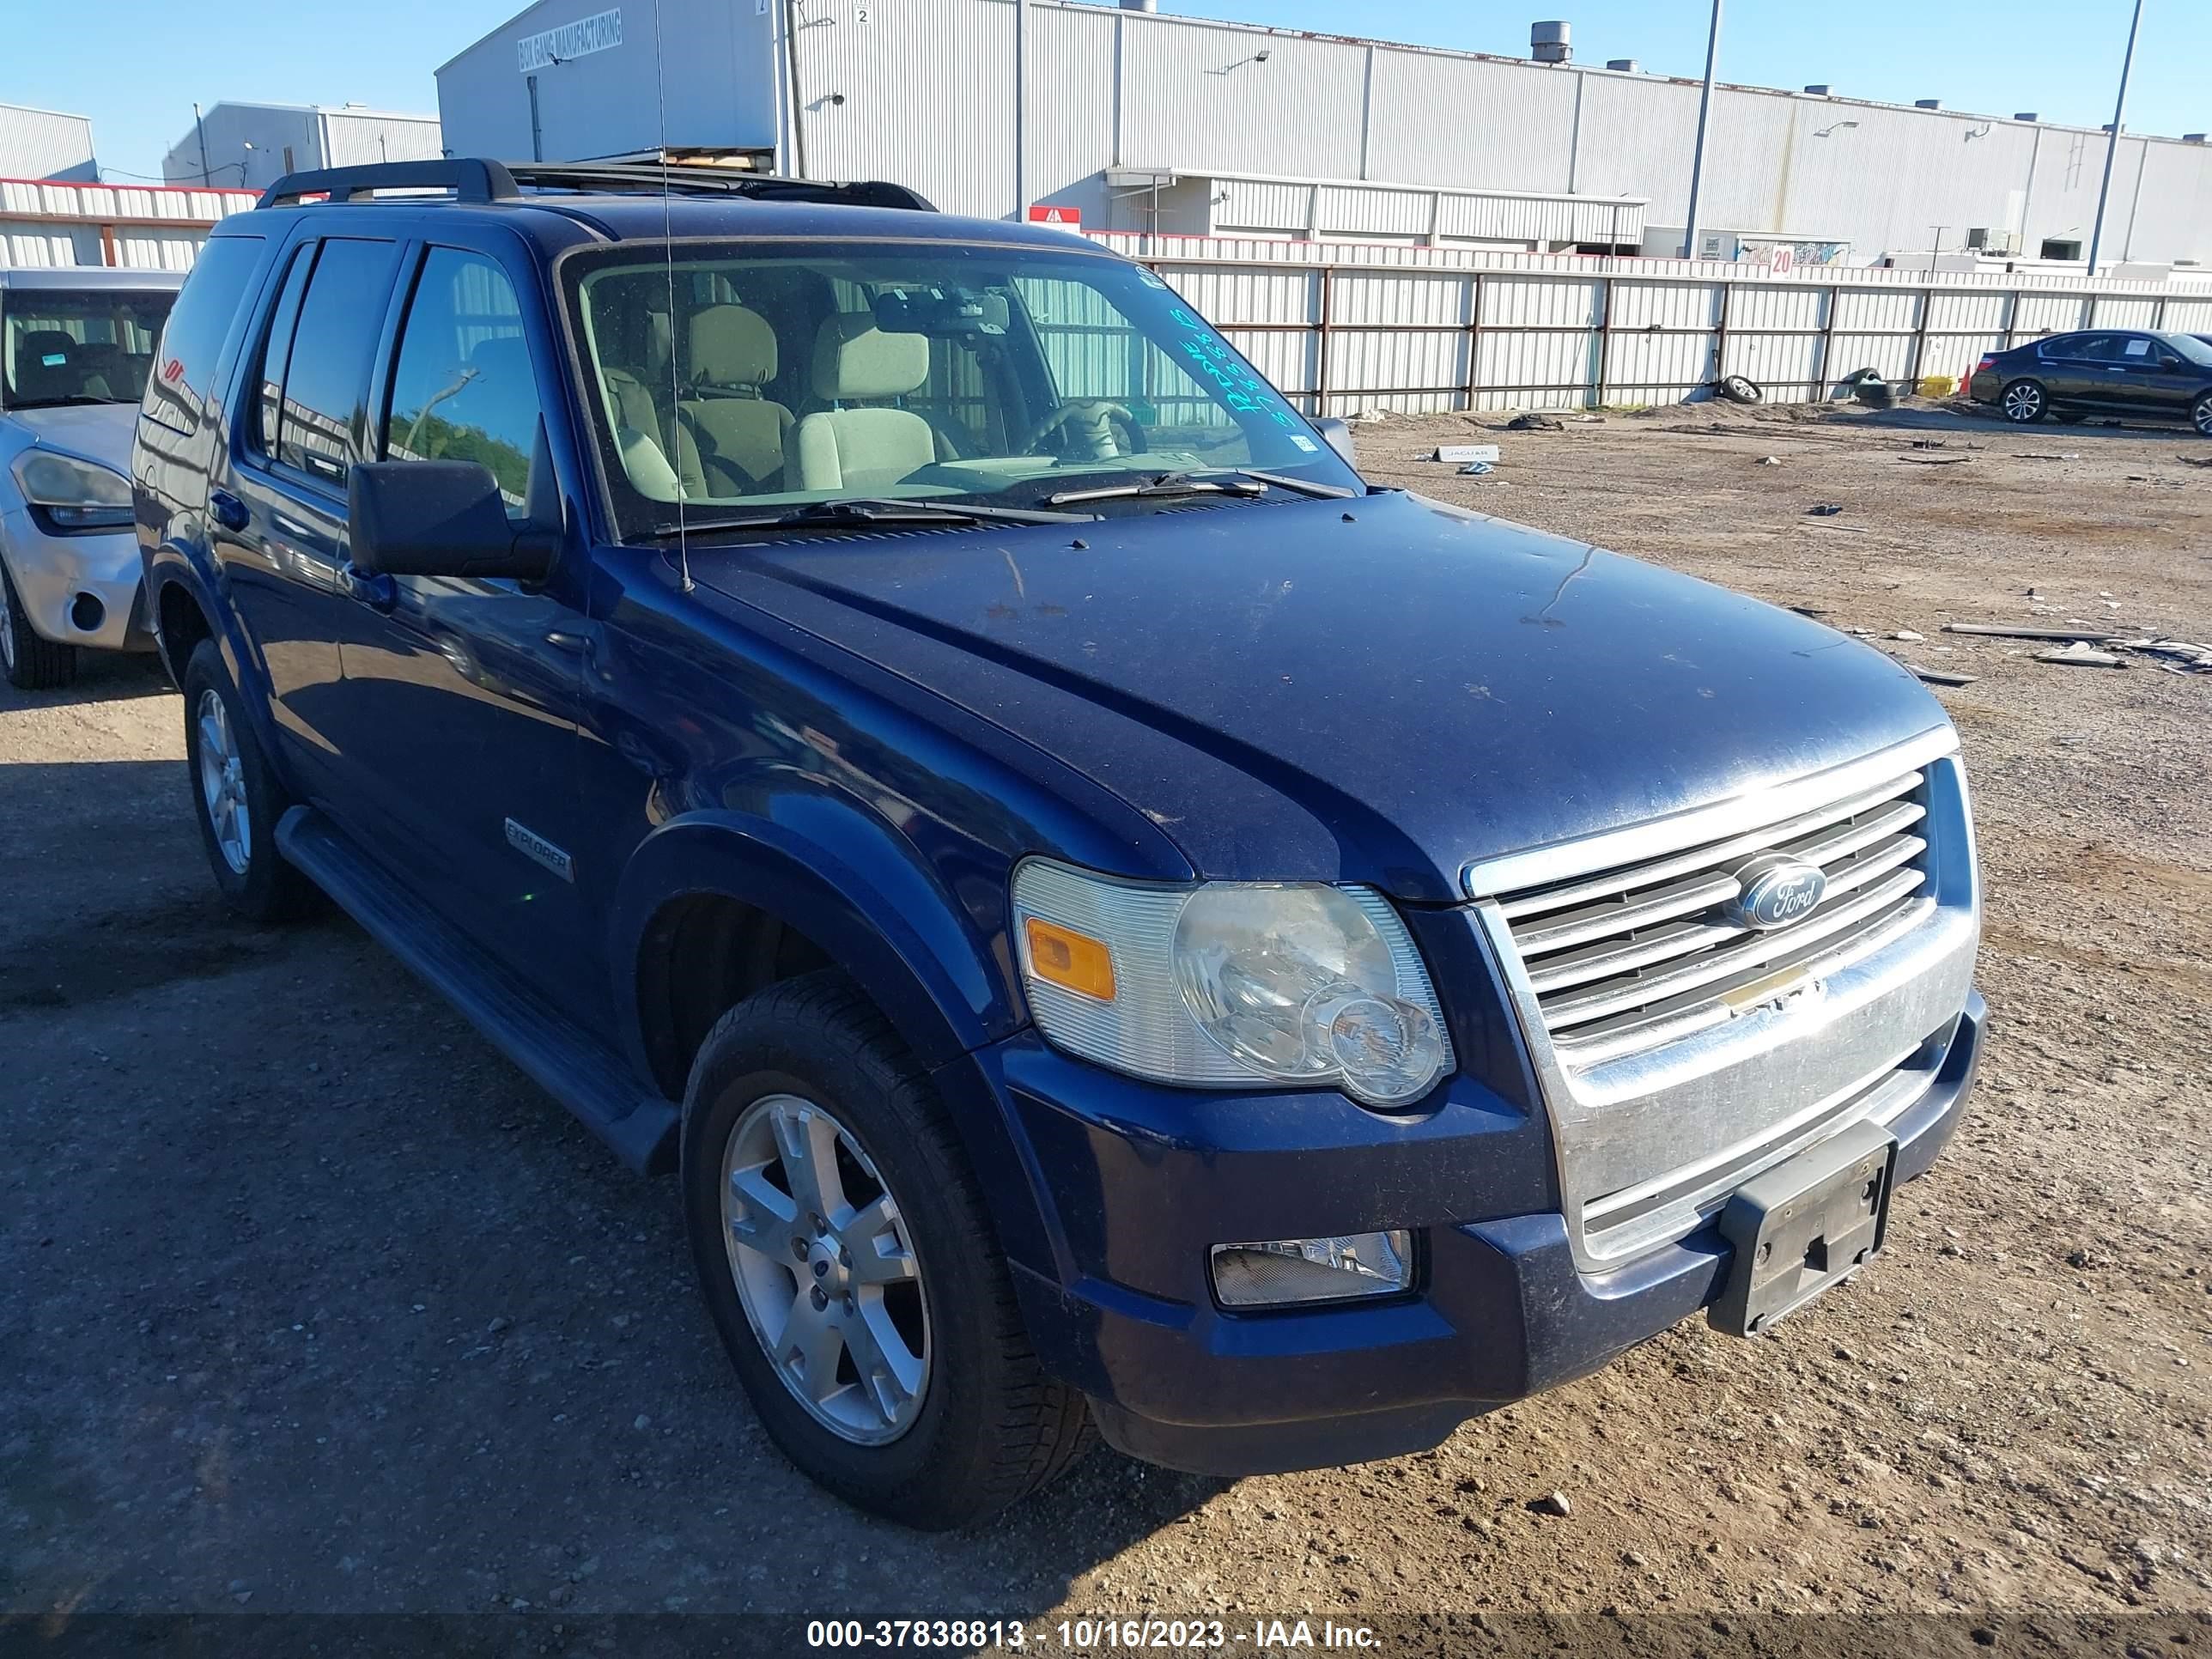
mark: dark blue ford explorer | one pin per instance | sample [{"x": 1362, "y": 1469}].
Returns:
[{"x": 1113, "y": 921}]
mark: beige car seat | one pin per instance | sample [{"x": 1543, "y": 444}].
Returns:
[
  {"x": 739, "y": 434},
  {"x": 861, "y": 449}
]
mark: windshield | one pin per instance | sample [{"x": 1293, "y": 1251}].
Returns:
[
  {"x": 741, "y": 379},
  {"x": 61, "y": 345}
]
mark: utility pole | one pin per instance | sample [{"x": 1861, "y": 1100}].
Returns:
[
  {"x": 200, "y": 127},
  {"x": 2112, "y": 141},
  {"x": 1697, "y": 155},
  {"x": 1021, "y": 126}
]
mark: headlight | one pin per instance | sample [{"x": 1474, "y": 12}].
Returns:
[
  {"x": 74, "y": 495},
  {"x": 1221, "y": 985}
]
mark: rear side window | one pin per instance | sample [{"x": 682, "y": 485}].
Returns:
[
  {"x": 276, "y": 351},
  {"x": 463, "y": 389},
  {"x": 318, "y": 428},
  {"x": 177, "y": 391}
]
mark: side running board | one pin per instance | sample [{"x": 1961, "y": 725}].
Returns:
[{"x": 580, "y": 1074}]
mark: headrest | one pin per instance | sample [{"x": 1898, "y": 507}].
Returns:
[
  {"x": 35, "y": 345},
  {"x": 854, "y": 358},
  {"x": 732, "y": 346},
  {"x": 504, "y": 357}
]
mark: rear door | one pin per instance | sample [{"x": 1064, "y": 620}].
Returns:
[
  {"x": 277, "y": 506},
  {"x": 2080, "y": 369}
]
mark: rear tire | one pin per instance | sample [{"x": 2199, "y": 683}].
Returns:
[
  {"x": 982, "y": 1425},
  {"x": 33, "y": 662},
  {"x": 2023, "y": 403},
  {"x": 236, "y": 799},
  {"x": 2200, "y": 415}
]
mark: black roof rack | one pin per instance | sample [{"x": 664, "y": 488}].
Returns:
[{"x": 471, "y": 180}]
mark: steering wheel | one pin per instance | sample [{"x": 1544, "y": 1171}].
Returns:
[{"x": 1095, "y": 430}]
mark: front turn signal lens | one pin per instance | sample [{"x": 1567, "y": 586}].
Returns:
[{"x": 1074, "y": 961}]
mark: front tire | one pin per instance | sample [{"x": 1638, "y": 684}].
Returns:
[
  {"x": 850, "y": 1266},
  {"x": 32, "y": 661},
  {"x": 2024, "y": 403},
  {"x": 235, "y": 797}
]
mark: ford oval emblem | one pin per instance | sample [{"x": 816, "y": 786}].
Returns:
[{"x": 1777, "y": 890}]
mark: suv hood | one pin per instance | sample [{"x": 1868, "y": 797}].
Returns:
[
  {"x": 1380, "y": 689},
  {"x": 91, "y": 432}
]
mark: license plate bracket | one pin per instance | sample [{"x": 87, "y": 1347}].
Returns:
[{"x": 1806, "y": 1225}]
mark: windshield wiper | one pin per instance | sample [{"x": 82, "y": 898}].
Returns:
[
  {"x": 868, "y": 512},
  {"x": 1301, "y": 486},
  {"x": 1244, "y": 482},
  {"x": 1162, "y": 484}
]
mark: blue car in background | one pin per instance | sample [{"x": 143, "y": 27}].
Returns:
[
  {"x": 1115, "y": 924},
  {"x": 76, "y": 346}
]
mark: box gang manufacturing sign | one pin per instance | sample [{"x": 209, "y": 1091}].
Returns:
[{"x": 586, "y": 34}]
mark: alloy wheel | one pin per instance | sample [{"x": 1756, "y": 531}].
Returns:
[
  {"x": 2201, "y": 416},
  {"x": 222, "y": 784},
  {"x": 826, "y": 1269},
  {"x": 6, "y": 626},
  {"x": 2023, "y": 402}
]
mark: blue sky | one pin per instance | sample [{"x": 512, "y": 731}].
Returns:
[{"x": 2059, "y": 57}]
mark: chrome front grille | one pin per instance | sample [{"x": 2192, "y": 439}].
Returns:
[{"x": 1640, "y": 955}]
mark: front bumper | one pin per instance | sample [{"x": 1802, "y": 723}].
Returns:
[
  {"x": 1141, "y": 1180},
  {"x": 65, "y": 582}
]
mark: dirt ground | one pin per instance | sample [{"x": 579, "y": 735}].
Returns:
[{"x": 311, "y": 1304}]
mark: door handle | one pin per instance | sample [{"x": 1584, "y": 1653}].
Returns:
[
  {"x": 371, "y": 588},
  {"x": 577, "y": 641},
  {"x": 228, "y": 510}
]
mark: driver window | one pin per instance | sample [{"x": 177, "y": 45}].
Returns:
[{"x": 1098, "y": 357}]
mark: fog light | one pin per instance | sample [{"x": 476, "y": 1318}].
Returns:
[{"x": 1294, "y": 1270}]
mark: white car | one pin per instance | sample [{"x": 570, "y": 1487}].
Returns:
[{"x": 76, "y": 348}]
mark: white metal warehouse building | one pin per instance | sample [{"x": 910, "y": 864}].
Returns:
[
  {"x": 237, "y": 145},
  {"x": 1144, "y": 121}
]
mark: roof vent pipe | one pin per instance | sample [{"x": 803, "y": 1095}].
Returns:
[
  {"x": 1140, "y": 5},
  {"x": 1927, "y": 103},
  {"x": 1551, "y": 42},
  {"x": 2192, "y": 138},
  {"x": 1819, "y": 91},
  {"x": 2026, "y": 115},
  {"x": 1626, "y": 65}
]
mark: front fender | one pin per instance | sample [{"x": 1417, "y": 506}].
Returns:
[
  {"x": 852, "y": 886},
  {"x": 846, "y": 883}
]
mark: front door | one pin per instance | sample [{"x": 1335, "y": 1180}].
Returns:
[{"x": 461, "y": 695}]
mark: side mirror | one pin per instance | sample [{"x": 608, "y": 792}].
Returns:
[
  {"x": 1338, "y": 435},
  {"x": 439, "y": 518}
]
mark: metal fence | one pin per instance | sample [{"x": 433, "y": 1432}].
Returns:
[{"x": 1343, "y": 328}]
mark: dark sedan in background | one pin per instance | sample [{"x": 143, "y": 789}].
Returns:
[{"x": 2108, "y": 371}]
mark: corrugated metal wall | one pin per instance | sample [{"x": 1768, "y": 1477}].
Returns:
[
  {"x": 42, "y": 144},
  {"x": 150, "y": 228},
  {"x": 1342, "y": 328}
]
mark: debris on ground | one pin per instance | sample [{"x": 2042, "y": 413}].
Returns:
[
  {"x": 2176, "y": 656},
  {"x": 1809, "y": 610},
  {"x": 2082, "y": 654},
  {"x": 1908, "y": 636},
  {"x": 1768, "y": 460},
  {"x": 1938, "y": 675},
  {"x": 1533, "y": 422},
  {"x": 2070, "y": 455},
  {"x": 2095, "y": 634},
  {"x": 1824, "y": 509},
  {"x": 1936, "y": 461},
  {"x": 1477, "y": 469},
  {"x": 1459, "y": 453},
  {"x": 1553, "y": 1503}
]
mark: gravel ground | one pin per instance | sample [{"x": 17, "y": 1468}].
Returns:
[{"x": 313, "y": 1304}]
